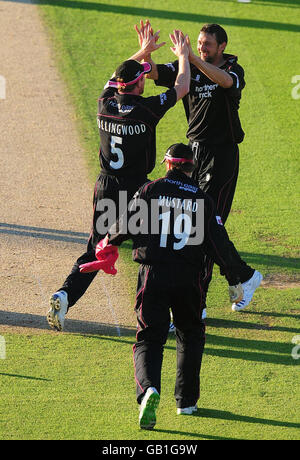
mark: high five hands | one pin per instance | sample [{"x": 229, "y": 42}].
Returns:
[{"x": 148, "y": 40}]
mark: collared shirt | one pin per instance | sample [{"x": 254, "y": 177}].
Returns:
[
  {"x": 172, "y": 221},
  {"x": 211, "y": 111},
  {"x": 127, "y": 128}
]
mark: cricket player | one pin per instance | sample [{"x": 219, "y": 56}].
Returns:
[
  {"x": 171, "y": 256},
  {"x": 127, "y": 125},
  {"x": 212, "y": 112}
]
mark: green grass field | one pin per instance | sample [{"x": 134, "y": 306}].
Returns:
[{"x": 250, "y": 382}]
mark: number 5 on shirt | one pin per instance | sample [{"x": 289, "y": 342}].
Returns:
[{"x": 117, "y": 151}]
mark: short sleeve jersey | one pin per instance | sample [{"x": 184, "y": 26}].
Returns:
[
  {"x": 178, "y": 225},
  {"x": 211, "y": 111},
  {"x": 127, "y": 128}
]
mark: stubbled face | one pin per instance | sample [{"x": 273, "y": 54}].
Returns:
[{"x": 208, "y": 48}]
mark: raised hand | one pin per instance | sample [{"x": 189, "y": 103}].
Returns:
[
  {"x": 140, "y": 31},
  {"x": 180, "y": 42},
  {"x": 148, "y": 40},
  {"x": 191, "y": 52}
]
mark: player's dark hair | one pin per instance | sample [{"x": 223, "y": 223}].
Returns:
[
  {"x": 218, "y": 31},
  {"x": 184, "y": 167},
  {"x": 126, "y": 89}
]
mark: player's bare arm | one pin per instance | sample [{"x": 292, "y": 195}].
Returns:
[
  {"x": 181, "y": 49},
  {"x": 212, "y": 71}
]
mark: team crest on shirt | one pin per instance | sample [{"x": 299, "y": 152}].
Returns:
[
  {"x": 163, "y": 98},
  {"x": 197, "y": 78},
  {"x": 219, "y": 220},
  {"x": 170, "y": 65}
]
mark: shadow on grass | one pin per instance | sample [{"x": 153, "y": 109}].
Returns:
[
  {"x": 275, "y": 315},
  {"x": 24, "y": 377},
  {"x": 230, "y": 324},
  {"x": 257, "y": 357},
  {"x": 197, "y": 435},
  {"x": 266, "y": 352},
  {"x": 270, "y": 260},
  {"x": 28, "y": 320},
  {"x": 216, "y": 345},
  {"x": 226, "y": 415},
  {"x": 165, "y": 14},
  {"x": 229, "y": 416},
  {"x": 259, "y": 351},
  {"x": 260, "y": 345},
  {"x": 66, "y": 236}
]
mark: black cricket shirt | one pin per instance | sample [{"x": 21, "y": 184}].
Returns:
[
  {"x": 127, "y": 128},
  {"x": 178, "y": 201},
  {"x": 211, "y": 111}
]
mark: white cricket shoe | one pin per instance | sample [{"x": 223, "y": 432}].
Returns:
[
  {"x": 187, "y": 410},
  {"x": 249, "y": 288},
  {"x": 58, "y": 309},
  {"x": 150, "y": 402}
]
